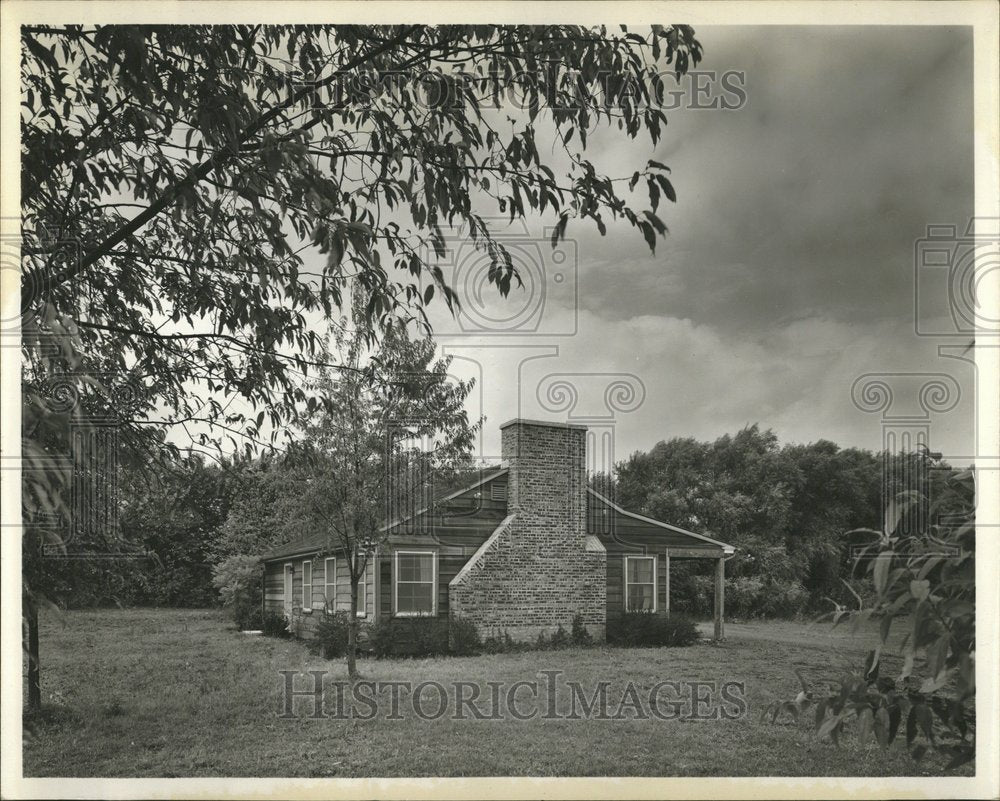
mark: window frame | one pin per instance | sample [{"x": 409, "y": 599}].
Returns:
[
  {"x": 362, "y": 591},
  {"x": 434, "y": 581},
  {"x": 309, "y": 563},
  {"x": 626, "y": 582},
  {"x": 329, "y": 601}
]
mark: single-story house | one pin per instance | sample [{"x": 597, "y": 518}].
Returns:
[{"x": 523, "y": 550}]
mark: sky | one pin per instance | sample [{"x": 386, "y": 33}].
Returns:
[{"x": 789, "y": 272}]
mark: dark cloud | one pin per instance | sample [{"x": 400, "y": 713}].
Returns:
[
  {"x": 808, "y": 200},
  {"x": 788, "y": 271}
]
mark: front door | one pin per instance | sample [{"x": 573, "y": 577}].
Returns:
[{"x": 288, "y": 589}]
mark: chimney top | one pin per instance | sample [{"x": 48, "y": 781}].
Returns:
[{"x": 543, "y": 423}]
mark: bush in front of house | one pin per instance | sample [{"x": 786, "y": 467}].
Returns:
[
  {"x": 423, "y": 637},
  {"x": 649, "y": 630},
  {"x": 238, "y": 580},
  {"x": 409, "y": 636},
  {"x": 330, "y": 636},
  {"x": 500, "y": 642},
  {"x": 580, "y": 634},
  {"x": 274, "y": 625},
  {"x": 463, "y": 637},
  {"x": 555, "y": 641},
  {"x": 252, "y": 619}
]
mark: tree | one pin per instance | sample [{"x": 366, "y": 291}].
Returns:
[
  {"x": 922, "y": 562},
  {"x": 175, "y": 178},
  {"x": 786, "y": 508},
  {"x": 176, "y": 512},
  {"x": 370, "y": 454},
  {"x": 265, "y": 511}
]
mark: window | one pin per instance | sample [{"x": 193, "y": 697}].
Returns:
[
  {"x": 330, "y": 584},
  {"x": 307, "y": 585},
  {"x": 498, "y": 491},
  {"x": 362, "y": 592},
  {"x": 640, "y": 583},
  {"x": 416, "y": 583}
]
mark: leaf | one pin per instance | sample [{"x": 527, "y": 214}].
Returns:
[
  {"x": 871, "y": 664},
  {"x": 920, "y": 589},
  {"x": 962, "y": 754},
  {"x": 882, "y": 725},
  {"x": 865, "y": 722},
  {"x": 667, "y": 187},
  {"x": 925, "y": 720},
  {"x": 828, "y": 726},
  {"x": 336, "y": 253},
  {"x": 880, "y": 571},
  {"x": 649, "y": 234},
  {"x": 895, "y": 716},
  {"x": 937, "y": 653},
  {"x": 821, "y": 712}
]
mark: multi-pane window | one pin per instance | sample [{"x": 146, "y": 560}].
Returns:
[
  {"x": 416, "y": 574},
  {"x": 307, "y": 584},
  {"x": 640, "y": 583},
  {"x": 362, "y": 593},
  {"x": 330, "y": 584}
]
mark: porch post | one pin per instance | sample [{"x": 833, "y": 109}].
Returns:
[
  {"x": 720, "y": 597},
  {"x": 666, "y": 583}
]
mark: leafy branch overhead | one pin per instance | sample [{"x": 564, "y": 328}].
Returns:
[{"x": 195, "y": 198}]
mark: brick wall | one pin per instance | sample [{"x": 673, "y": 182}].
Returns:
[{"x": 536, "y": 573}]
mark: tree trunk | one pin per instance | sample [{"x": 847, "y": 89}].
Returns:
[
  {"x": 352, "y": 632},
  {"x": 34, "y": 675}
]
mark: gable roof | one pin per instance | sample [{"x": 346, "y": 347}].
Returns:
[
  {"x": 313, "y": 543},
  {"x": 310, "y": 543},
  {"x": 484, "y": 480},
  {"x": 726, "y": 547},
  {"x": 307, "y": 543}
]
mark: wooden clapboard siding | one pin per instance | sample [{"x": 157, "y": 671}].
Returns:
[
  {"x": 274, "y": 586},
  {"x": 623, "y": 535}
]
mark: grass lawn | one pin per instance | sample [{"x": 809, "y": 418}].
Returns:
[{"x": 166, "y": 692}]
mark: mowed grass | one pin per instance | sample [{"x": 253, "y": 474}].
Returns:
[{"x": 166, "y": 692}]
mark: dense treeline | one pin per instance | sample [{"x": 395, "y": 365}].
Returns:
[{"x": 788, "y": 509}]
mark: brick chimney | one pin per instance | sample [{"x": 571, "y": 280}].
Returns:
[
  {"x": 539, "y": 568},
  {"x": 548, "y": 480}
]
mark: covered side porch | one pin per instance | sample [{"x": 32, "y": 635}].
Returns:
[{"x": 640, "y": 552}]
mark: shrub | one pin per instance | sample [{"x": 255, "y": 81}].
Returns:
[
  {"x": 417, "y": 637},
  {"x": 501, "y": 643},
  {"x": 330, "y": 637},
  {"x": 238, "y": 582},
  {"x": 252, "y": 620},
  {"x": 463, "y": 637},
  {"x": 579, "y": 635},
  {"x": 648, "y": 630},
  {"x": 558, "y": 639},
  {"x": 274, "y": 625}
]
